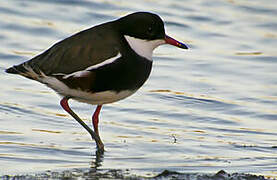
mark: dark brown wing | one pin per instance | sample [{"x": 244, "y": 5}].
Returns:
[{"x": 76, "y": 53}]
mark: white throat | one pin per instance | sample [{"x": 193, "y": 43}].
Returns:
[{"x": 142, "y": 47}]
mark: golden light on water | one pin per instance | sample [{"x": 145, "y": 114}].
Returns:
[{"x": 210, "y": 107}]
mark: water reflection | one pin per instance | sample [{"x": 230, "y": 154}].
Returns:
[
  {"x": 9, "y": 132},
  {"x": 248, "y": 53},
  {"x": 210, "y": 108},
  {"x": 46, "y": 131},
  {"x": 97, "y": 162}
]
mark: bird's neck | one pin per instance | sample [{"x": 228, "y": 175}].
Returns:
[{"x": 143, "y": 47}]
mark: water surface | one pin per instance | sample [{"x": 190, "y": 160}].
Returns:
[{"x": 209, "y": 108}]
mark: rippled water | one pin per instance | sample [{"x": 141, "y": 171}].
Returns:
[{"x": 210, "y": 108}]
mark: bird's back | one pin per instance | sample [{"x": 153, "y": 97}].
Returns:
[{"x": 74, "y": 53}]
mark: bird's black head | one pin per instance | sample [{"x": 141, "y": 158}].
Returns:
[
  {"x": 142, "y": 25},
  {"x": 144, "y": 32}
]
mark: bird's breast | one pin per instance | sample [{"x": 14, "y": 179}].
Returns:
[{"x": 124, "y": 74}]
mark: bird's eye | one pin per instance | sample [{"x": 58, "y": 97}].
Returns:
[{"x": 150, "y": 29}]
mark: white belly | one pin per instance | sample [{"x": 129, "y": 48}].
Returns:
[
  {"x": 83, "y": 96},
  {"x": 104, "y": 97}
]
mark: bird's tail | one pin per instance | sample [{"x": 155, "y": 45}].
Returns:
[
  {"x": 25, "y": 70},
  {"x": 16, "y": 69}
]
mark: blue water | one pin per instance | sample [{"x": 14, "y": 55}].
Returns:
[{"x": 209, "y": 108}]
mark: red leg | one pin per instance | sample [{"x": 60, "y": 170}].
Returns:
[
  {"x": 94, "y": 135},
  {"x": 64, "y": 104},
  {"x": 95, "y": 119}
]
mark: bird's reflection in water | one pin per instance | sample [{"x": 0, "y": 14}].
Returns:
[{"x": 97, "y": 160}]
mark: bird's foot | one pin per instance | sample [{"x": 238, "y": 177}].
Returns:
[
  {"x": 100, "y": 150},
  {"x": 99, "y": 144}
]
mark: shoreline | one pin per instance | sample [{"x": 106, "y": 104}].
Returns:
[{"x": 125, "y": 174}]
